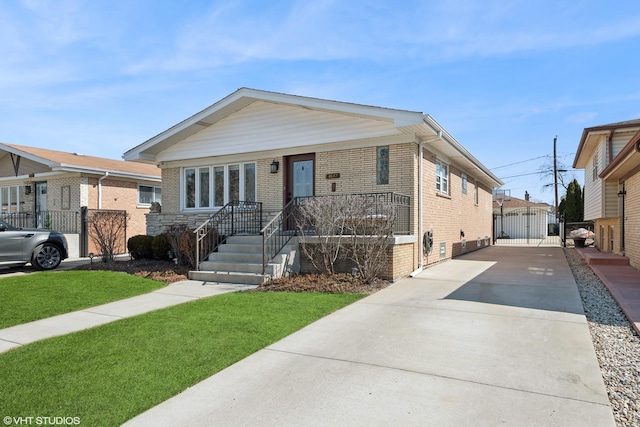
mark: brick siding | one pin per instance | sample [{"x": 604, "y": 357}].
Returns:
[{"x": 632, "y": 220}]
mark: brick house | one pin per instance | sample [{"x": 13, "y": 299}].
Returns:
[
  {"x": 610, "y": 156},
  {"x": 270, "y": 148},
  {"x": 47, "y": 188}
]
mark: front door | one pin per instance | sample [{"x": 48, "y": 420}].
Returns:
[
  {"x": 41, "y": 205},
  {"x": 300, "y": 176},
  {"x": 299, "y": 182}
]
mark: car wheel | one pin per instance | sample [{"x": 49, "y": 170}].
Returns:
[{"x": 46, "y": 257}]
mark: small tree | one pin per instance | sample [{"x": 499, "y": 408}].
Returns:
[
  {"x": 107, "y": 231},
  {"x": 574, "y": 204}
]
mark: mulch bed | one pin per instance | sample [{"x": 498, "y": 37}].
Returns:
[
  {"x": 336, "y": 283},
  {"x": 162, "y": 271},
  {"x": 168, "y": 272}
]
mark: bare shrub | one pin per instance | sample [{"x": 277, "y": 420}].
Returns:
[
  {"x": 183, "y": 244},
  {"x": 351, "y": 227},
  {"x": 324, "y": 218},
  {"x": 107, "y": 231},
  {"x": 369, "y": 227}
]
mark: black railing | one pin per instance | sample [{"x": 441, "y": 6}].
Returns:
[
  {"x": 277, "y": 233},
  {"x": 382, "y": 205},
  {"x": 236, "y": 217},
  {"x": 392, "y": 207},
  {"x": 62, "y": 221}
]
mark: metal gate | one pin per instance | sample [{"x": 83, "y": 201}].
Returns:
[
  {"x": 525, "y": 226},
  {"x": 102, "y": 225}
]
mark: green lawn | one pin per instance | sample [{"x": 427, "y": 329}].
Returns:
[
  {"x": 109, "y": 374},
  {"x": 37, "y": 296}
]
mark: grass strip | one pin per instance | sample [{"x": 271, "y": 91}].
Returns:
[
  {"x": 109, "y": 374},
  {"x": 40, "y": 295}
]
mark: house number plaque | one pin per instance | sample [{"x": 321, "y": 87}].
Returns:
[{"x": 333, "y": 175}]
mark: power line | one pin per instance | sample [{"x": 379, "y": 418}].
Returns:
[
  {"x": 530, "y": 160},
  {"x": 517, "y": 163},
  {"x": 532, "y": 173}
]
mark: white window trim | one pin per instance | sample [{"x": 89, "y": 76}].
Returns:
[
  {"x": 439, "y": 191},
  {"x": 197, "y": 208},
  {"x": 19, "y": 191}
]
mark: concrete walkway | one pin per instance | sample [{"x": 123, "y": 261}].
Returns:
[
  {"x": 622, "y": 280},
  {"x": 494, "y": 337},
  {"x": 173, "y": 294}
]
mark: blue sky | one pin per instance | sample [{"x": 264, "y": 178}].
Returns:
[{"x": 503, "y": 77}]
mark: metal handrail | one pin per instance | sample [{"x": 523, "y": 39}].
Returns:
[
  {"x": 277, "y": 233},
  {"x": 233, "y": 218}
]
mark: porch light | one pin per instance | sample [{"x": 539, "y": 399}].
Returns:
[{"x": 275, "y": 165}]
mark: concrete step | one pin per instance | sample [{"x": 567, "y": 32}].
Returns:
[
  {"x": 606, "y": 259},
  {"x": 227, "y": 277},
  {"x": 240, "y": 248},
  {"x": 245, "y": 240},
  {"x": 253, "y": 258},
  {"x": 236, "y": 267}
]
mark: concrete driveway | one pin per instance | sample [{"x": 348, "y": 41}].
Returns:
[{"x": 494, "y": 337}]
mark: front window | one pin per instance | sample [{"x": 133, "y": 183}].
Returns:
[
  {"x": 442, "y": 177},
  {"x": 11, "y": 199},
  {"x": 464, "y": 183},
  {"x": 217, "y": 185},
  {"x": 148, "y": 194}
]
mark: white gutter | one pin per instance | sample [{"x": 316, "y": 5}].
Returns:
[
  {"x": 106, "y": 174},
  {"x": 420, "y": 207}
]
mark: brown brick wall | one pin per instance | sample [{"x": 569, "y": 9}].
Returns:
[{"x": 119, "y": 194}]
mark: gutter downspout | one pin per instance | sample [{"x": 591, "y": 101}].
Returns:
[
  {"x": 106, "y": 174},
  {"x": 420, "y": 230}
]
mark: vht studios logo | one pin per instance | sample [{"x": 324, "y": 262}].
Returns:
[{"x": 41, "y": 421}]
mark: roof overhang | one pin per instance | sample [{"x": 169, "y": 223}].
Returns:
[
  {"x": 591, "y": 137},
  {"x": 148, "y": 150},
  {"x": 425, "y": 127},
  {"x": 445, "y": 143},
  {"x": 626, "y": 163}
]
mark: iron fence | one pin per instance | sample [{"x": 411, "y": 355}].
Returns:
[
  {"x": 62, "y": 221},
  {"x": 378, "y": 205}
]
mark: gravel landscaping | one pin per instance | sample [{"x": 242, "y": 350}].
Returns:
[{"x": 616, "y": 343}]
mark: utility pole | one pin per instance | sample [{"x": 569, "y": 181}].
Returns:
[{"x": 555, "y": 175}]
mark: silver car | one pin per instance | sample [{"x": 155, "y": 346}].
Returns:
[{"x": 44, "y": 249}]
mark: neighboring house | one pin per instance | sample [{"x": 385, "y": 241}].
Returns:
[
  {"x": 270, "y": 148},
  {"x": 610, "y": 156},
  {"x": 47, "y": 188},
  {"x": 522, "y": 219}
]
